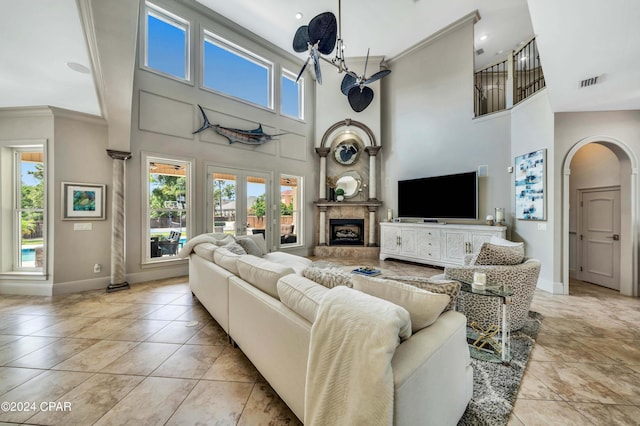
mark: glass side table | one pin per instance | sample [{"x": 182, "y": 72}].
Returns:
[{"x": 482, "y": 342}]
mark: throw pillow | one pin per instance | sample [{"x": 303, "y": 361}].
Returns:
[
  {"x": 440, "y": 286},
  {"x": 227, "y": 239},
  {"x": 424, "y": 307},
  {"x": 258, "y": 239},
  {"x": 235, "y": 248},
  {"x": 328, "y": 277},
  {"x": 490, "y": 254},
  {"x": 250, "y": 246}
]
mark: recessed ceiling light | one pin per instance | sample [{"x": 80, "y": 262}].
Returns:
[
  {"x": 78, "y": 67},
  {"x": 299, "y": 15},
  {"x": 483, "y": 37}
]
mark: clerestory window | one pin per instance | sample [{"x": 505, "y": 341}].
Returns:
[
  {"x": 166, "y": 43},
  {"x": 292, "y": 95}
]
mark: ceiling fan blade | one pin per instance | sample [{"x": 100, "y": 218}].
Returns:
[
  {"x": 301, "y": 39},
  {"x": 377, "y": 76},
  {"x": 323, "y": 29},
  {"x": 348, "y": 82},
  {"x": 316, "y": 65},
  {"x": 303, "y": 68},
  {"x": 366, "y": 62},
  {"x": 360, "y": 99}
]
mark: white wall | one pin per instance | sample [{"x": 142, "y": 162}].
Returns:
[
  {"x": 621, "y": 132},
  {"x": 531, "y": 130},
  {"x": 428, "y": 127},
  {"x": 165, "y": 114}
]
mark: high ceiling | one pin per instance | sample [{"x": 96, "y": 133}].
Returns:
[{"x": 577, "y": 39}]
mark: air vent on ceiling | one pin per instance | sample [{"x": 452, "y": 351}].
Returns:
[
  {"x": 480, "y": 51},
  {"x": 589, "y": 81}
]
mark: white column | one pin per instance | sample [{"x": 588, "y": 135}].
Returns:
[
  {"x": 118, "y": 266},
  {"x": 373, "y": 175},
  {"x": 372, "y": 228},
  {"x": 322, "y": 241},
  {"x": 323, "y": 152}
]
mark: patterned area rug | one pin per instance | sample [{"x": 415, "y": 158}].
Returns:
[{"x": 495, "y": 385}]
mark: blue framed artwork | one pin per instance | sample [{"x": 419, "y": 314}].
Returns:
[
  {"x": 83, "y": 201},
  {"x": 530, "y": 185}
]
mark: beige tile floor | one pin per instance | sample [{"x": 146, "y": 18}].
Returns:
[{"x": 139, "y": 357}]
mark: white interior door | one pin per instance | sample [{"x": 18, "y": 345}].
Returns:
[
  {"x": 600, "y": 237},
  {"x": 239, "y": 201}
]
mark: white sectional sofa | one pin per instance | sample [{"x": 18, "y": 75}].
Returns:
[{"x": 432, "y": 376}]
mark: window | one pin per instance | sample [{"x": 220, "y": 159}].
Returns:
[
  {"x": 23, "y": 219},
  {"x": 292, "y": 98},
  {"x": 290, "y": 214},
  {"x": 234, "y": 71},
  {"x": 166, "y": 43},
  {"x": 168, "y": 212}
]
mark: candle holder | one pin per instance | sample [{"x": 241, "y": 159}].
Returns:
[{"x": 499, "y": 217}]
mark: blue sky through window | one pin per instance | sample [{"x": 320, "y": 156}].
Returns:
[
  {"x": 166, "y": 47},
  {"x": 229, "y": 73},
  {"x": 290, "y": 97}
]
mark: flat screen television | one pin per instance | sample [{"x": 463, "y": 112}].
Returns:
[{"x": 439, "y": 197}]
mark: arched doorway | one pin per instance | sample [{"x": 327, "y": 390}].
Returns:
[{"x": 628, "y": 194}]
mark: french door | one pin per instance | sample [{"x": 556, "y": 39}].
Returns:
[{"x": 238, "y": 200}]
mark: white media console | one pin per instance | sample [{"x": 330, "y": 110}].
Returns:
[{"x": 434, "y": 243}]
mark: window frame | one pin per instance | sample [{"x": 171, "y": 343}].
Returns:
[
  {"x": 170, "y": 19},
  {"x": 189, "y": 164},
  {"x": 208, "y": 36},
  {"x": 290, "y": 75},
  {"x": 297, "y": 213},
  {"x": 10, "y": 219}
]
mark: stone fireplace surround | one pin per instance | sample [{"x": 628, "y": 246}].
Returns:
[{"x": 366, "y": 210}]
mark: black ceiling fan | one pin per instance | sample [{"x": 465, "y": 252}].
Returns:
[
  {"x": 320, "y": 37},
  {"x": 317, "y": 37},
  {"x": 355, "y": 87}
]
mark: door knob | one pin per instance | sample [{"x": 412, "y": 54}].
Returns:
[{"x": 615, "y": 237}]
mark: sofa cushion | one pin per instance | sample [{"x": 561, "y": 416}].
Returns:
[
  {"x": 434, "y": 285},
  {"x": 205, "y": 250},
  {"x": 256, "y": 238},
  {"x": 226, "y": 259},
  {"x": 424, "y": 307},
  {"x": 491, "y": 254},
  {"x": 298, "y": 263},
  {"x": 301, "y": 295},
  {"x": 249, "y": 246},
  {"x": 262, "y": 273},
  {"x": 328, "y": 277}
]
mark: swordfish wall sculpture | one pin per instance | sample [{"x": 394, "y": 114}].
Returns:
[{"x": 249, "y": 137}]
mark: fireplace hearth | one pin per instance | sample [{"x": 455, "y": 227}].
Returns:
[{"x": 346, "y": 232}]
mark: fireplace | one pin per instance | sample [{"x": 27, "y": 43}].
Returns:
[{"x": 346, "y": 232}]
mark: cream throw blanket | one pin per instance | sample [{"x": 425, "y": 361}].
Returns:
[
  {"x": 349, "y": 376},
  {"x": 198, "y": 239}
]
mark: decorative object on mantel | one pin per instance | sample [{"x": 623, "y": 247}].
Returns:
[
  {"x": 489, "y": 220},
  {"x": 249, "y": 137},
  {"x": 339, "y": 194},
  {"x": 320, "y": 37},
  {"x": 331, "y": 188},
  {"x": 350, "y": 182},
  {"x": 499, "y": 216}
]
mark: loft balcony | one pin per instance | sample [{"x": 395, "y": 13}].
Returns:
[{"x": 505, "y": 84}]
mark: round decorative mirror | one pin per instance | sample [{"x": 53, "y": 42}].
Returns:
[
  {"x": 351, "y": 182},
  {"x": 348, "y": 147}
]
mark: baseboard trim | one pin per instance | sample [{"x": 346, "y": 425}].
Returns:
[
  {"x": 82, "y": 285},
  {"x": 551, "y": 286},
  {"x": 158, "y": 274},
  {"x": 26, "y": 289}
]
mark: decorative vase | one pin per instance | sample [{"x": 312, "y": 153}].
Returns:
[
  {"x": 340, "y": 197},
  {"x": 332, "y": 194}
]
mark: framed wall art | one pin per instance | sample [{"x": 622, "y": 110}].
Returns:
[
  {"x": 348, "y": 147},
  {"x": 83, "y": 201},
  {"x": 530, "y": 185}
]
